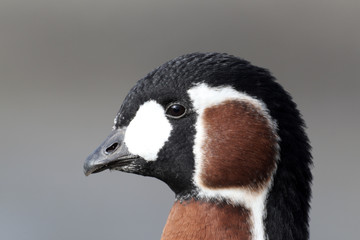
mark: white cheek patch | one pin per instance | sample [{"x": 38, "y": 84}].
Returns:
[
  {"x": 148, "y": 131},
  {"x": 204, "y": 96}
]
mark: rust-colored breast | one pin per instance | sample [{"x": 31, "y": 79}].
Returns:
[
  {"x": 240, "y": 146},
  {"x": 197, "y": 220}
]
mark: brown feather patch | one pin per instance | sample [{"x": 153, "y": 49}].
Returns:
[
  {"x": 239, "y": 148},
  {"x": 196, "y": 220}
]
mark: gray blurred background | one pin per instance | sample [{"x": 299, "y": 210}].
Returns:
[{"x": 66, "y": 66}]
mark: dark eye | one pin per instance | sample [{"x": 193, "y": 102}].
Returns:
[{"x": 175, "y": 110}]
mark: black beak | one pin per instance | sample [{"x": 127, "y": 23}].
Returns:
[{"x": 112, "y": 153}]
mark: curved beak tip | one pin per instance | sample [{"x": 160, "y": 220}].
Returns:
[
  {"x": 87, "y": 173},
  {"x": 88, "y": 169}
]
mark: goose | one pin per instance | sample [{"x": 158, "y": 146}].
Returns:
[{"x": 226, "y": 138}]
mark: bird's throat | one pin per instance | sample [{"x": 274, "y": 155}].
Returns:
[{"x": 194, "y": 219}]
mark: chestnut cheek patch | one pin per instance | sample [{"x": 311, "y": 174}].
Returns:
[{"x": 240, "y": 147}]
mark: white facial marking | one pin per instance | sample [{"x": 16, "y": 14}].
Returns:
[
  {"x": 203, "y": 97},
  {"x": 148, "y": 131}
]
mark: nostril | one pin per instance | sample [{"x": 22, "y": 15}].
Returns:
[{"x": 112, "y": 148}]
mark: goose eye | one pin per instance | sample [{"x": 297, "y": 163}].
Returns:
[{"x": 175, "y": 110}]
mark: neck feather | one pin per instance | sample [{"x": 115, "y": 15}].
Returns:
[{"x": 196, "y": 219}]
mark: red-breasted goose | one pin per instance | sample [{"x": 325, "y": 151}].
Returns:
[{"x": 226, "y": 138}]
